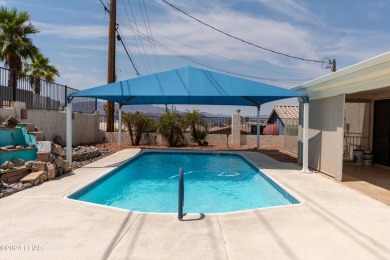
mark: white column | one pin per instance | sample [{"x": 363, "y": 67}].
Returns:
[
  {"x": 258, "y": 129},
  {"x": 120, "y": 126},
  {"x": 69, "y": 133},
  {"x": 305, "y": 137}
]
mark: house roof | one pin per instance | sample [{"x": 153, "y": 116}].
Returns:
[
  {"x": 285, "y": 112},
  {"x": 188, "y": 86},
  {"x": 371, "y": 76}
]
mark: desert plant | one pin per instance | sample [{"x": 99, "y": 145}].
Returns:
[
  {"x": 170, "y": 127},
  {"x": 136, "y": 124},
  {"x": 196, "y": 123}
]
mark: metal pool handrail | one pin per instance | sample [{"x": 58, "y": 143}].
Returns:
[{"x": 181, "y": 194}]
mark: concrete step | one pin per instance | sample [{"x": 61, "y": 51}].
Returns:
[
  {"x": 39, "y": 136},
  {"x": 29, "y": 126},
  {"x": 32, "y": 178}
]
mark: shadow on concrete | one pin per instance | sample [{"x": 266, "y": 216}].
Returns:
[
  {"x": 277, "y": 237},
  {"x": 201, "y": 216},
  {"x": 118, "y": 236}
]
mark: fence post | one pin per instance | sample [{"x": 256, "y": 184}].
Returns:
[
  {"x": 96, "y": 104},
  {"x": 14, "y": 85},
  {"x": 66, "y": 94}
]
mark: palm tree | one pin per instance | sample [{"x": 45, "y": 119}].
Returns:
[
  {"x": 15, "y": 45},
  {"x": 194, "y": 120},
  {"x": 38, "y": 69}
]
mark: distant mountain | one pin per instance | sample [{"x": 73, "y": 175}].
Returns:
[{"x": 151, "y": 110}]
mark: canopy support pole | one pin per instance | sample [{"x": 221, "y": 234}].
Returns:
[
  {"x": 69, "y": 132},
  {"x": 258, "y": 128},
  {"x": 120, "y": 125},
  {"x": 305, "y": 137}
]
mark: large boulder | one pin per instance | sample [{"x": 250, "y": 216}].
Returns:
[
  {"x": 10, "y": 122},
  {"x": 7, "y": 165},
  {"x": 57, "y": 150},
  {"x": 51, "y": 171},
  {"x": 59, "y": 140}
]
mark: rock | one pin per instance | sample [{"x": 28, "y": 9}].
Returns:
[
  {"x": 43, "y": 156},
  {"x": 10, "y": 147},
  {"x": 59, "y": 140},
  {"x": 19, "y": 147},
  {"x": 18, "y": 162},
  {"x": 51, "y": 171},
  {"x": 36, "y": 182},
  {"x": 3, "y": 148},
  {"x": 27, "y": 185},
  {"x": 41, "y": 166},
  {"x": 29, "y": 164},
  {"x": 57, "y": 150},
  {"x": 44, "y": 177},
  {"x": 10, "y": 122},
  {"x": 7, "y": 193},
  {"x": 7, "y": 165},
  {"x": 58, "y": 171},
  {"x": 65, "y": 166}
]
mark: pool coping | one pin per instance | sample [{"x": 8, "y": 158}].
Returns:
[{"x": 285, "y": 190}]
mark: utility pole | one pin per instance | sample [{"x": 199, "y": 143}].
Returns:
[
  {"x": 111, "y": 64},
  {"x": 333, "y": 66}
]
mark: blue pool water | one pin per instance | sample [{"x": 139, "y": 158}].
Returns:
[{"x": 214, "y": 183}]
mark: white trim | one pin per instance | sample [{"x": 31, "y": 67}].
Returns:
[
  {"x": 305, "y": 134},
  {"x": 69, "y": 133},
  {"x": 367, "y": 75}
]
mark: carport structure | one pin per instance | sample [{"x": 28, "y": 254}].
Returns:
[
  {"x": 193, "y": 86},
  {"x": 350, "y": 110}
]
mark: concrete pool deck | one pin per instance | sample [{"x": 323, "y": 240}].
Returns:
[{"x": 334, "y": 222}]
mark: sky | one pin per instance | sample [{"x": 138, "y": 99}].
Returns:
[{"x": 74, "y": 36}]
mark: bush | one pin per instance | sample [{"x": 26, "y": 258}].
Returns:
[
  {"x": 136, "y": 124},
  {"x": 170, "y": 127}
]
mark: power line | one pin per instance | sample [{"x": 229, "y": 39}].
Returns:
[
  {"x": 119, "y": 37},
  {"x": 204, "y": 64},
  {"x": 141, "y": 41},
  {"x": 237, "y": 38},
  {"x": 149, "y": 31}
]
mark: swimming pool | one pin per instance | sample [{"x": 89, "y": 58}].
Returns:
[{"x": 214, "y": 183}]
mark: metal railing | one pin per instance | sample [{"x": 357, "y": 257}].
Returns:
[
  {"x": 39, "y": 94},
  {"x": 354, "y": 141},
  {"x": 180, "y": 204}
]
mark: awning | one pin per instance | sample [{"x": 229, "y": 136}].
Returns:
[{"x": 188, "y": 86}]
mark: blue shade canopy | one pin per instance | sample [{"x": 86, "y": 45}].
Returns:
[{"x": 188, "y": 86}]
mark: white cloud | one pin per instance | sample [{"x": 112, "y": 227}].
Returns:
[
  {"x": 72, "y": 31},
  {"x": 291, "y": 9}
]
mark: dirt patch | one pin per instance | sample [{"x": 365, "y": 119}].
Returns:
[{"x": 275, "y": 153}]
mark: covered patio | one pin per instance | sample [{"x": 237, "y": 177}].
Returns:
[{"x": 191, "y": 86}]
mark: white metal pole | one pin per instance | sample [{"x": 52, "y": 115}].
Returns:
[
  {"x": 258, "y": 129},
  {"x": 69, "y": 133},
  {"x": 305, "y": 137},
  {"x": 120, "y": 126}
]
